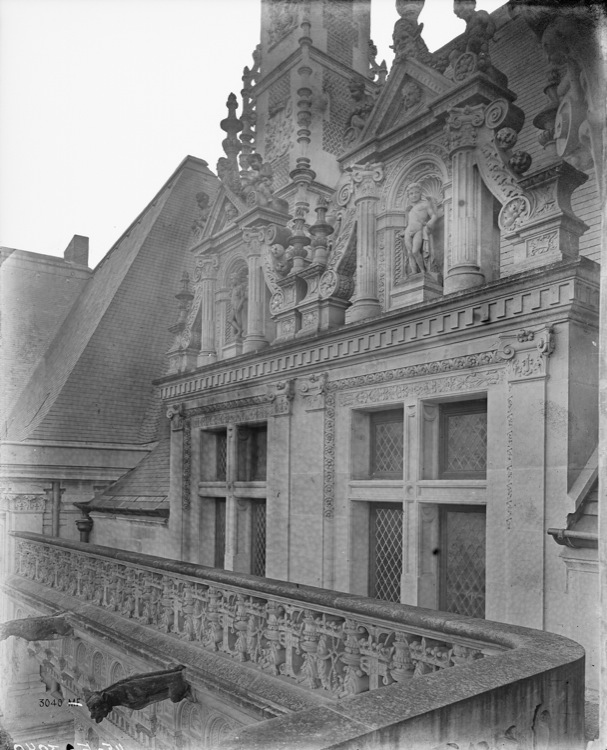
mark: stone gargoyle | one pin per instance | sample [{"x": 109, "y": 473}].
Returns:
[
  {"x": 46, "y": 628},
  {"x": 138, "y": 691}
]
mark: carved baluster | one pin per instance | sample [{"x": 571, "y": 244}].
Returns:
[
  {"x": 273, "y": 651},
  {"x": 167, "y": 611},
  {"x": 375, "y": 656},
  {"x": 308, "y": 674},
  {"x": 254, "y": 632},
  {"x": 137, "y": 595},
  {"x": 214, "y": 633},
  {"x": 320, "y": 232},
  {"x": 401, "y": 666},
  {"x": 185, "y": 626},
  {"x": 127, "y": 608},
  {"x": 290, "y": 632},
  {"x": 353, "y": 679},
  {"x": 240, "y": 628},
  {"x": 200, "y": 611}
]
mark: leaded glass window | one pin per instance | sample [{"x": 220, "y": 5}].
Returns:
[
  {"x": 462, "y": 588},
  {"x": 258, "y": 538},
  {"x": 220, "y": 532},
  {"x": 463, "y": 440},
  {"x": 387, "y": 444},
  {"x": 221, "y": 456},
  {"x": 386, "y": 551}
]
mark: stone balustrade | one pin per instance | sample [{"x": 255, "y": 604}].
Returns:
[{"x": 440, "y": 677}]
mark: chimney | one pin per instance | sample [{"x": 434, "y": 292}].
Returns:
[{"x": 78, "y": 250}]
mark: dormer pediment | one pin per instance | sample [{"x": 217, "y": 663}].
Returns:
[
  {"x": 222, "y": 213},
  {"x": 410, "y": 88}
]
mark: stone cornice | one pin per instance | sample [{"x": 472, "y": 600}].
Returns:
[{"x": 550, "y": 293}]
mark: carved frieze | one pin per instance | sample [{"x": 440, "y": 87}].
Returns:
[{"x": 22, "y": 502}]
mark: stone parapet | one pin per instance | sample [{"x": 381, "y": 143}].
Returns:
[{"x": 400, "y": 671}]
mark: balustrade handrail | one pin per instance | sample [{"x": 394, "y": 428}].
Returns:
[{"x": 416, "y": 619}]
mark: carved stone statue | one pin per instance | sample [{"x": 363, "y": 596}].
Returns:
[
  {"x": 37, "y": 628},
  {"x": 238, "y": 298},
  {"x": 480, "y": 27},
  {"x": 417, "y": 235},
  {"x": 406, "y": 38},
  {"x": 137, "y": 692},
  {"x": 202, "y": 199},
  {"x": 257, "y": 185},
  {"x": 363, "y": 105},
  {"x": 471, "y": 53}
]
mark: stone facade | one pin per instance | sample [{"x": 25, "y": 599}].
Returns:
[{"x": 380, "y": 373}]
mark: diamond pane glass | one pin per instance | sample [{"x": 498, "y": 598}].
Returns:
[
  {"x": 466, "y": 449},
  {"x": 258, "y": 540},
  {"x": 465, "y": 563},
  {"x": 386, "y": 552},
  {"x": 388, "y": 448},
  {"x": 220, "y": 532},
  {"x": 222, "y": 456}
]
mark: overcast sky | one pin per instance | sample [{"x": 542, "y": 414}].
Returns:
[{"x": 100, "y": 100}]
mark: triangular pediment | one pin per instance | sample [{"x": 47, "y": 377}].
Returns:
[
  {"x": 408, "y": 91},
  {"x": 224, "y": 210}
]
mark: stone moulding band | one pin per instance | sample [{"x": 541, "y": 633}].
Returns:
[
  {"x": 425, "y": 662},
  {"x": 546, "y": 296}
]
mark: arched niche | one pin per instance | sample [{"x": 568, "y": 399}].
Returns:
[
  {"x": 430, "y": 172},
  {"x": 232, "y": 298}
]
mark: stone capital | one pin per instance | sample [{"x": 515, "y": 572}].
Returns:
[
  {"x": 463, "y": 125},
  {"x": 206, "y": 267},
  {"x": 254, "y": 238},
  {"x": 366, "y": 179}
]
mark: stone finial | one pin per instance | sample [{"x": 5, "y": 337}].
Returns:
[
  {"x": 377, "y": 72},
  {"x": 227, "y": 167},
  {"x": 185, "y": 297},
  {"x": 249, "y": 113}
]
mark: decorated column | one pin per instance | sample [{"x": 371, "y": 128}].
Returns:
[
  {"x": 463, "y": 267},
  {"x": 255, "y": 338},
  {"x": 366, "y": 181},
  {"x": 205, "y": 277}
]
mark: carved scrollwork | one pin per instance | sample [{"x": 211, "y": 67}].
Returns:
[
  {"x": 176, "y": 415},
  {"x": 514, "y": 213},
  {"x": 333, "y": 284}
]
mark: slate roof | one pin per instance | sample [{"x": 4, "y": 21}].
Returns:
[
  {"x": 94, "y": 382},
  {"x": 144, "y": 490}
]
